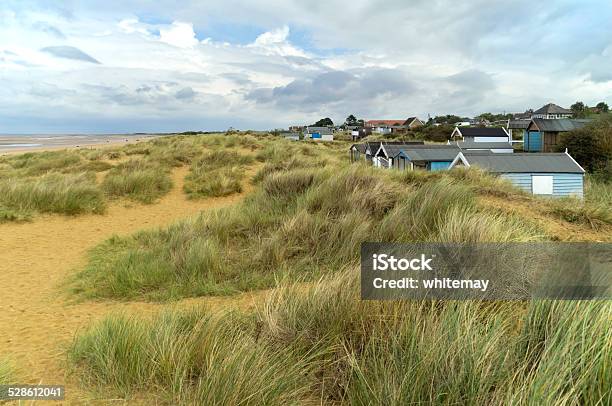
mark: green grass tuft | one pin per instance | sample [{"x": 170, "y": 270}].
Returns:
[
  {"x": 189, "y": 358},
  {"x": 138, "y": 180},
  {"x": 53, "y": 193}
]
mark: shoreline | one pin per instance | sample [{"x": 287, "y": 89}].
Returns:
[{"x": 80, "y": 143}]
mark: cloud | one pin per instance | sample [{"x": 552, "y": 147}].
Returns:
[
  {"x": 276, "y": 42},
  {"x": 68, "y": 52},
  {"x": 272, "y": 63},
  {"x": 185, "y": 93},
  {"x": 179, "y": 34},
  {"x": 336, "y": 90},
  {"x": 49, "y": 29}
]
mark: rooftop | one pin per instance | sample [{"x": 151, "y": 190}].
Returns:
[
  {"x": 552, "y": 108},
  {"x": 523, "y": 162},
  {"x": 559, "y": 124}
]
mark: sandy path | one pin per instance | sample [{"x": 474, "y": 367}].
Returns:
[{"x": 37, "y": 322}]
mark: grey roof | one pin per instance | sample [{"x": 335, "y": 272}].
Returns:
[
  {"x": 552, "y": 108},
  {"x": 320, "y": 130},
  {"x": 482, "y": 131},
  {"x": 519, "y": 124},
  {"x": 360, "y": 147},
  {"x": 483, "y": 145},
  {"x": 559, "y": 124},
  {"x": 375, "y": 145},
  {"x": 424, "y": 152},
  {"x": 523, "y": 162}
]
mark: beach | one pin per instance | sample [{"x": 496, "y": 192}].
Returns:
[{"x": 16, "y": 144}]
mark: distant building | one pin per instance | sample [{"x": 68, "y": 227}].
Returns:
[
  {"x": 389, "y": 126},
  {"x": 360, "y": 132},
  {"x": 556, "y": 175},
  {"x": 481, "y": 134},
  {"x": 320, "y": 133},
  {"x": 552, "y": 111},
  {"x": 543, "y": 135}
]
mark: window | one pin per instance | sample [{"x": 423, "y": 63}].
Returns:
[{"x": 542, "y": 185}]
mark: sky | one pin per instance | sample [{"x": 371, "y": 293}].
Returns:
[{"x": 138, "y": 66}]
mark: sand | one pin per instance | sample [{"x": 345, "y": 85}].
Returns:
[
  {"x": 69, "y": 143},
  {"x": 38, "y": 319}
]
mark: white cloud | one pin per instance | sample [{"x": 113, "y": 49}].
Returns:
[
  {"x": 276, "y": 42},
  {"x": 179, "y": 34}
]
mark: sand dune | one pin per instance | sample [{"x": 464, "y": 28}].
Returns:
[{"x": 37, "y": 318}]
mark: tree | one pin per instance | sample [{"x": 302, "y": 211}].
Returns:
[
  {"x": 351, "y": 120},
  {"x": 579, "y": 109},
  {"x": 449, "y": 119},
  {"x": 602, "y": 107},
  {"x": 591, "y": 145},
  {"x": 324, "y": 122},
  {"x": 434, "y": 133}
]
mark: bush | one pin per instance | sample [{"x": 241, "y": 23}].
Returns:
[{"x": 591, "y": 145}]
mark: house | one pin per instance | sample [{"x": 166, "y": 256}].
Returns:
[
  {"x": 481, "y": 134},
  {"x": 389, "y": 126},
  {"x": 542, "y": 135},
  {"x": 547, "y": 174},
  {"x": 320, "y": 133},
  {"x": 413, "y": 122},
  {"x": 384, "y": 126},
  {"x": 552, "y": 111},
  {"x": 497, "y": 147},
  {"x": 415, "y": 156}
]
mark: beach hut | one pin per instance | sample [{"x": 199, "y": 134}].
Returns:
[
  {"x": 358, "y": 152},
  {"x": 546, "y": 174},
  {"x": 481, "y": 134},
  {"x": 416, "y": 156},
  {"x": 543, "y": 135}
]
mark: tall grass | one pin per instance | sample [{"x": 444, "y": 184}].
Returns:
[
  {"x": 218, "y": 173},
  {"x": 321, "y": 343},
  {"x": 53, "y": 193},
  {"x": 138, "y": 180},
  {"x": 302, "y": 222},
  {"x": 189, "y": 358}
]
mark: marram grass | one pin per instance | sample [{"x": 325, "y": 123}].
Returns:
[{"x": 320, "y": 343}]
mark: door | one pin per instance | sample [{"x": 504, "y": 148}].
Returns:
[{"x": 542, "y": 185}]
